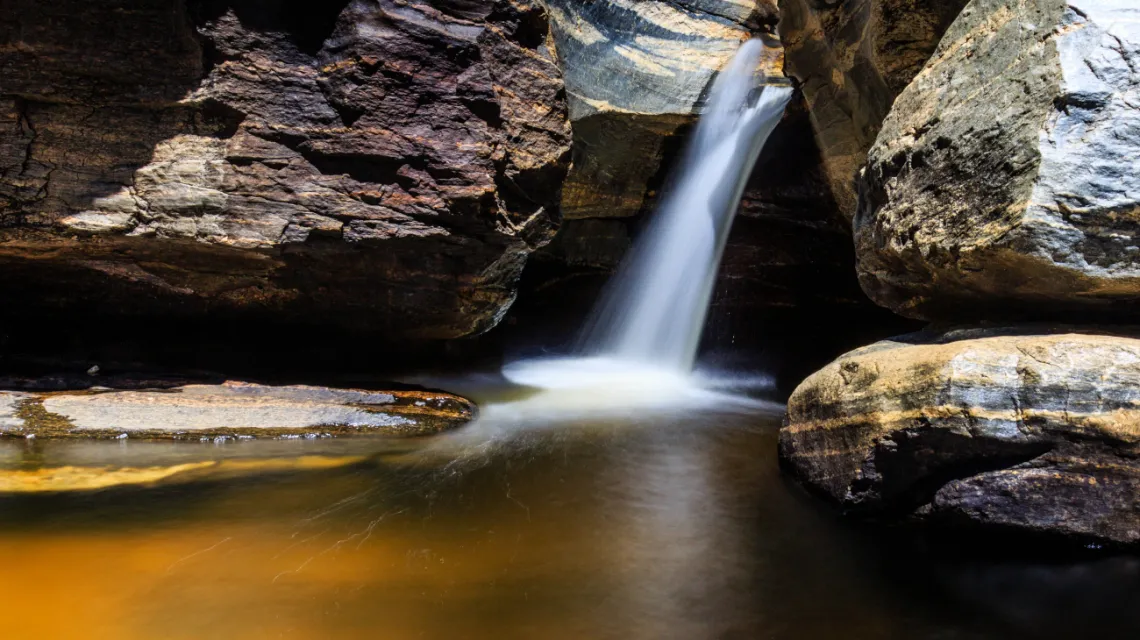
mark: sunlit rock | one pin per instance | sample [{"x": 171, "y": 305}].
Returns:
[
  {"x": 1038, "y": 432},
  {"x": 1004, "y": 181}
]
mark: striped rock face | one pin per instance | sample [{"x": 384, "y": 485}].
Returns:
[
  {"x": 1038, "y": 433},
  {"x": 635, "y": 72}
]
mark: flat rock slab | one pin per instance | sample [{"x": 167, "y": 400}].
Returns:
[
  {"x": 1036, "y": 432},
  {"x": 231, "y": 409}
]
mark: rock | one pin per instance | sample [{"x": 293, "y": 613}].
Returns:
[
  {"x": 1003, "y": 183},
  {"x": 852, "y": 58},
  {"x": 383, "y": 165},
  {"x": 1017, "y": 429},
  {"x": 229, "y": 410},
  {"x": 636, "y": 73}
]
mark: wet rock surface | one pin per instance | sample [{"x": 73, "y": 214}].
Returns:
[
  {"x": 387, "y": 165},
  {"x": 1021, "y": 429},
  {"x": 853, "y": 58},
  {"x": 1003, "y": 183},
  {"x": 149, "y": 409}
]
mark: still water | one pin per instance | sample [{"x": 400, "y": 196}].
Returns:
[{"x": 662, "y": 525}]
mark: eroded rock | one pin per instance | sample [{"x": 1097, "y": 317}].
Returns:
[
  {"x": 1038, "y": 432},
  {"x": 1003, "y": 182},
  {"x": 383, "y": 165}
]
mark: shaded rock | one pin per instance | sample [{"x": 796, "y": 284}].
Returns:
[
  {"x": 1003, "y": 182},
  {"x": 1035, "y": 432},
  {"x": 231, "y": 409},
  {"x": 386, "y": 165},
  {"x": 852, "y": 58}
]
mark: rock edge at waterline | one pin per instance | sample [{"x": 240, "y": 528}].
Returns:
[
  {"x": 236, "y": 409},
  {"x": 1033, "y": 431}
]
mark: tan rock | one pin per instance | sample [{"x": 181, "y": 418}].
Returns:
[{"x": 1033, "y": 431}]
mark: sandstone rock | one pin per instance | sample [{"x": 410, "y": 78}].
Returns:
[
  {"x": 1036, "y": 432},
  {"x": 852, "y": 58},
  {"x": 232, "y": 409},
  {"x": 387, "y": 165},
  {"x": 1003, "y": 182}
]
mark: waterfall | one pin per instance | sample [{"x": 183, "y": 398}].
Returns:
[{"x": 653, "y": 311}]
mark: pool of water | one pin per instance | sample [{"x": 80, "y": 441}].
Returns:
[{"x": 674, "y": 524}]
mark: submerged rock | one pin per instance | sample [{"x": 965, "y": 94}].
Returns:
[
  {"x": 386, "y": 165},
  {"x": 1036, "y": 432},
  {"x": 852, "y": 58},
  {"x": 71, "y": 478},
  {"x": 232, "y": 409},
  {"x": 1004, "y": 182}
]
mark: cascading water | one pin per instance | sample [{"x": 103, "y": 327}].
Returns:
[
  {"x": 648, "y": 324},
  {"x": 655, "y": 308}
]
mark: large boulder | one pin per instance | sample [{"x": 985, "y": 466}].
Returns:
[
  {"x": 1027, "y": 430},
  {"x": 1004, "y": 181},
  {"x": 852, "y": 58},
  {"x": 386, "y": 165}
]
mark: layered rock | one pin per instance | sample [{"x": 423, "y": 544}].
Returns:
[
  {"x": 1037, "y": 432},
  {"x": 1003, "y": 182},
  {"x": 387, "y": 165},
  {"x": 852, "y": 58},
  {"x": 636, "y": 73}
]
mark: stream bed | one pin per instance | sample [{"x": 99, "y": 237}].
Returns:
[{"x": 672, "y": 524}]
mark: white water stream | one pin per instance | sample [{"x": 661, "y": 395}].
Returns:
[{"x": 641, "y": 341}]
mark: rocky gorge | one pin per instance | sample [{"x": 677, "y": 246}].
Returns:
[{"x": 396, "y": 180}]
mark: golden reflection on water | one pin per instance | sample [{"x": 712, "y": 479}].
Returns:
[{"x": 674, "y": 528}]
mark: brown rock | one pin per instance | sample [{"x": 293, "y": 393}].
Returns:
[
  {"x": 1037, "y": 432},
  {"x": 385, "y": 165}
]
